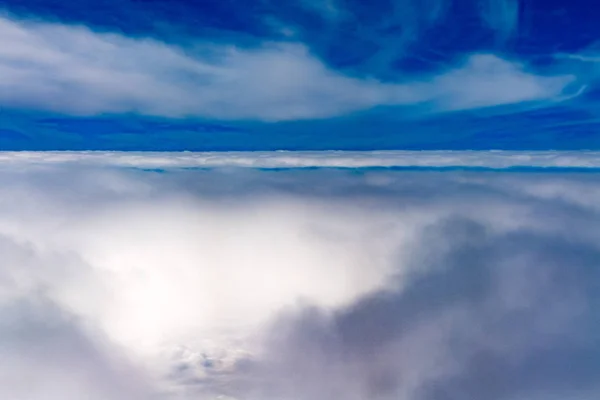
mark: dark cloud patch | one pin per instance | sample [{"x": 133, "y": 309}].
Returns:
[{"x": 484, "y": 316}]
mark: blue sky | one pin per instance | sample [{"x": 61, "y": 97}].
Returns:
[
  {"x": 250, "y": 274},
  {"x": 299, "y": 75}
]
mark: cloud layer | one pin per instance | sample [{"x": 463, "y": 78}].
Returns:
[
  {"x": 310, "y": 159},
  {"x": 73, "y": 70},
  {"x": 305, "y": 284}
]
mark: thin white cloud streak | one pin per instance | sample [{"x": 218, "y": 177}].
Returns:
[
  {"x": 304, "y": 159},
  {"x": 74, "y": 70},
  {"x": 173, "y": 280}
]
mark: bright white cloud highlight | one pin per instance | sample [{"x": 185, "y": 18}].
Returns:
[{"x": 74, "y": 70}]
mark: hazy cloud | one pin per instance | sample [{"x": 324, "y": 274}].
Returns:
[{"x": 307, "y": 284}]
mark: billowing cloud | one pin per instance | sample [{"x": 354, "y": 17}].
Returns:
[
  {"x": 486, "y": 315},
  {"x": 74, "y": 70},
  {"x": 303, "y": 283}
]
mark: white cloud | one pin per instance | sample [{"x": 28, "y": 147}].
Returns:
[
  {"x": 74, "y": 70},
  {"x": 46, "y": 355},
  {"x": 122, "y": 283},
  {"x": 487, "y": 80},
  {"x": 299, "y": 159}
]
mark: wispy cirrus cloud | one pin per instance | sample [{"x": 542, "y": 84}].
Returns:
[{"x": 74, "y": 70}]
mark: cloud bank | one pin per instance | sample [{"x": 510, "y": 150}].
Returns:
[
  {"x": 311, "y": 159},
  {"x": 74, "y": 70},
  {"x": 119, "y": 283}
]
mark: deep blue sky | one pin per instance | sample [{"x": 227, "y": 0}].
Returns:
[{"x": 299, "y": 74}]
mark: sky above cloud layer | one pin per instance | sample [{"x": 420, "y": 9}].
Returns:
[
  {"x": 307, "y": 74},
  {"x": 119, "y": 282}
]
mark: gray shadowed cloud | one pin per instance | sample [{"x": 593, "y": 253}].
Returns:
[
  {"x": 485, "y": 316},
  {"x": 49, "y": 353}
]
